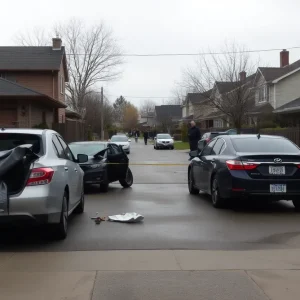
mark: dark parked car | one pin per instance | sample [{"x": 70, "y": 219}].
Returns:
[
  {"x": 107, "y": 163},
  {"x": 208, "y": 136},
  {"x": 237, "y": 166}
]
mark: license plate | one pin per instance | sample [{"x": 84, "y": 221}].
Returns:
[
  {"x": 277, "y": 170},
  {"x": 277, "y": 188}
]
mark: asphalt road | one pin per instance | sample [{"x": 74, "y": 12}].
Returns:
[{"x": 173, "y": 218}]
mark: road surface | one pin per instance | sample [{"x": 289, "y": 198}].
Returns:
[{"x": 173, "y": 218}]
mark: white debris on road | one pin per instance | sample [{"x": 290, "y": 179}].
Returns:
[{"x": 127, "y": 218}]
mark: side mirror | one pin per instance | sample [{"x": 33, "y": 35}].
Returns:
[
  {"x": 82, "y": 158},
  {"x": 193, "y": 154},
  {"x": 129, "y": 141},
  {"x": 155, "y": 138}
]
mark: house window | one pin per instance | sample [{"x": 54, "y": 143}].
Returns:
[
  {"x": 62, "y": 84},
  {"x": 218, "y": 123},
  {"x": 263, "y": 94}
]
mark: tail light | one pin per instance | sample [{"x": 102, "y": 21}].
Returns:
[
  {"x": 207, "y": 140},
  {"x": 40, "y": 176},
  {"x": 239, "y": 165}
]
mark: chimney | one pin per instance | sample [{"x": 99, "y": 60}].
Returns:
[
  {"x": 284, "y": 58},
  {"x": 56, "y": 42},
  {"x": 243, "y": 76}
]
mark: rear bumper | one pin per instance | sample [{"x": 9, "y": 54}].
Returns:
[{"x": 238, "y": 185}]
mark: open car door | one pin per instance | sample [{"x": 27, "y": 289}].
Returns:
[{"x": 118, "y": 163}]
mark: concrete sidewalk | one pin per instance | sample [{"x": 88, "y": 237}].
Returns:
[{"x": 158, "y": 274}]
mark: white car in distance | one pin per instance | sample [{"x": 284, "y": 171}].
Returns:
[
  {"x": 121, "y": 140},
  {"x": 163, "y": 141}
]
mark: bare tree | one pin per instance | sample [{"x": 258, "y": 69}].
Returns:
[
  {"x": 221, "y": 80},
  {"x": 147, "y": 106},
  {"x": 93, "y": 56},
  {"x": 37, "y": 37}
]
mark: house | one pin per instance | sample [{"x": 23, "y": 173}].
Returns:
[
  {"x": 146, "y": 119},
  {"x": 277, "y": 90},
  {"x": 32, "y": 85},
  {"x": 167, "y": 116}
]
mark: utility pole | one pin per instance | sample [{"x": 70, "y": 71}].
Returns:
[{"x": 102, "y": 116}]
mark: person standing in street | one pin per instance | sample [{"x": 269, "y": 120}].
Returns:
[
  {"x": 146, "y": 135},
  {"x": 194, "y": 136}
]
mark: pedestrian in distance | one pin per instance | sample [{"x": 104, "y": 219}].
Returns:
[
  {"x": 146, "y": 135},
  {"x": 194, "y": 136},
  {"x": 136, "y": 136}
]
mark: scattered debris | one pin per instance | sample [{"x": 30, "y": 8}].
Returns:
[
  {"x": 127, "y": 218},
  {"x": 98, "y": 219}
]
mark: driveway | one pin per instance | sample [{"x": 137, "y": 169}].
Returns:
[{"x": 173, "y": 218}]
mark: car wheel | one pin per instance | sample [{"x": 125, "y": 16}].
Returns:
[
  {"x": 217, "y": 201},
  {"x": 128, "y": 181},
  {"x": 60, "y": 230},
  {"x": 104, "y": 187},
  {"x": 154, "y": 147},
  {"x": 192, "y": 189},
  {"x": 80, "y": 207},
  {"x": 296, "y": 204}
]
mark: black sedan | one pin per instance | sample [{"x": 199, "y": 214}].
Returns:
[
  {"x": 246, "y": 166},
  {"x": 107, "y": 163}
]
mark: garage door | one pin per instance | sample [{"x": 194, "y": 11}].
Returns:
[{"x": 8, "y": 117}]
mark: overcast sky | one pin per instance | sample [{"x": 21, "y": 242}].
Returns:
[{"x": 165, "y": 26}]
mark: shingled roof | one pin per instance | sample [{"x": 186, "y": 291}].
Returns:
[
  {"x": 290, "y": 106},
  {"x": 31, "y": 58},
  {"x": 196, "y": 98},
  {"x": 167, "y": 111},
  {"x": 9, "y": 89},
  {"x": 271, "y": 74}
]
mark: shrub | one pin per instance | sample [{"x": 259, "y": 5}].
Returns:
[{"x": 184, "y": 133}]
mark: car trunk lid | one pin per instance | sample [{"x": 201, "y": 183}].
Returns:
[{"x": 272, "y": 165}]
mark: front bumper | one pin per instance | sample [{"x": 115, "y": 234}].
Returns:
[
  {"x": 94, "y": 176},
  {"x": 165, "y": 145}
]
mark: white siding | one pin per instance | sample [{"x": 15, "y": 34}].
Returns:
[
  {"x": 287, "y": 89},
  {"x": 272, "y": 95}
]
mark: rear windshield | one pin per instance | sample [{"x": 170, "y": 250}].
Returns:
[
  {"x": 87, "y": 149},
  {"x": 117, "y": 138},
  {"x": 9, "y": 141},
  {"x": 214, "y": 134},
  {"x": 264, "y": 145}
]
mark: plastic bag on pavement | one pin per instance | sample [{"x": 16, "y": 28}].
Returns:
[{"x": 127, "y": 218}]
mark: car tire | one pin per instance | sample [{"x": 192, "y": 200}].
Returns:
[
  {"x": 192, "y": 189},
  {"x": 80, "y": 207},
  {"x": 172, "y": 148},
  {"x": 217, "y": 201},
  {"x": 128, "y": 181},
  {"x": 59, "y": 231},
  {"x": 104, "y": 187},
  {"x": 154, "y": 147},
  {"x": 297, "y": 205}
]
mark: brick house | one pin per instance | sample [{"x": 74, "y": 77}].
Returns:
[{"x": 32, "y": 85}]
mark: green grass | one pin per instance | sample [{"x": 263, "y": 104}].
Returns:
[{"x": 181, "y": 146}]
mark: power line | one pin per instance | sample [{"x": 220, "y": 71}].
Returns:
[
  {"x": 136, "y": 97},
  {"x": 191, "y": 54}
]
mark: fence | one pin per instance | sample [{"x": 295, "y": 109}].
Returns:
[
  {"x": 292, "y": 134},
  {"x": 71, "y": 130}
]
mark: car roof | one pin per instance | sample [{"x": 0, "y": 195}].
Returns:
[
  {"x": 163, "y": 133},
  {"x": 24, "y": 130},
  {"x": 245, "y": 136},
  {"x": 89, "y": 142}
]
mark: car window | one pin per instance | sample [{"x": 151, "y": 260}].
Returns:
[
  {"x": 217, "y": 147},
  {"x": 58, "y": 147},
  {"x": 67, "y": 150},
  {"x": 163, "y": 136},
  {"x": 119, "y": 138},
  {"x": 264, "y": 145},
  {"x": 89, "y": 148},
  {"x": 9, "y": 141},
  {"x": 208, "y": 148},
  {"x": 116, "y": 149}
]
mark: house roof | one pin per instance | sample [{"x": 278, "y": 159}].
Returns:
[
  {"x": 226, "y": 86},
  {"x": 265, "y": 107},
  {"x": 31, "y": 58},
  {"x": 273, "y": 73},
  {"x": 289, "y": 107},
  {"x": 195, "y": 98},
  {"x": 72, "y": 114},
  {"x": 165, "y": 111},
  {"x": 12, "y": 89}
]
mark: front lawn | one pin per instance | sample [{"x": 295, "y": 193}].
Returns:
[{"x": 181, "y": 146}]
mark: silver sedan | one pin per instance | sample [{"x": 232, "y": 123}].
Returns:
[{"x": 40, "y": 180}]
